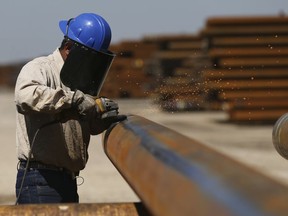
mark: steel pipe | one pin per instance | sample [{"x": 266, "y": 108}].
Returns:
[
  {"x": 175, "y": 175},
  {"x": 113, "y": 209}
]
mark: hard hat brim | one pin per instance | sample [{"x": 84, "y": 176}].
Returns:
[
  {"x": 63, "y": 26},
  {"x": 69, "y": 33}
]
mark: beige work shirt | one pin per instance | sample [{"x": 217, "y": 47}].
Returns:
[{"x": 40, "y": 97}]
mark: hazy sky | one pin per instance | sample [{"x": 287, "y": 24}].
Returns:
[{"x": 30, "y": 27}]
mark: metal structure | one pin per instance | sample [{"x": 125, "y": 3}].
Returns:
[
  {"x": 175, "y": 175},
  {"x": 280, "y": 136}
]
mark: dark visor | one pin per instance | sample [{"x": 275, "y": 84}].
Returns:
[{"x": 86, "y": 69}]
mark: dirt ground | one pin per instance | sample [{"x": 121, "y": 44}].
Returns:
[{"x": 250, "y": 144}]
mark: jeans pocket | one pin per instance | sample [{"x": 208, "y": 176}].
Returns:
[{"x": 47, "y": 194}]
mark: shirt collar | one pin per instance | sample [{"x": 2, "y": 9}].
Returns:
[{"x": 58, "y": 59}]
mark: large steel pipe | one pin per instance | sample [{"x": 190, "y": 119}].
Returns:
[
  {"x": 175, "y": 175},
  {"x": 112, "y": 209}
]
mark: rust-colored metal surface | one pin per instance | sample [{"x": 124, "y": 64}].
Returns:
[
  {"x": 115, "y": 209},
  {"x": 175, "y": 175}
]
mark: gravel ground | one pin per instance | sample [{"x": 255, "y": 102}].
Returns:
[{"x": 250, "y": 144}]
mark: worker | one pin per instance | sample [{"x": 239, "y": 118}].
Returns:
[{"x": 57, "y": 111}]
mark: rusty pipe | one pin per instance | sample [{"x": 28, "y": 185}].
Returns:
[
  {"x": 89, "y": 209},
  {"x": 175, "y": 175}
]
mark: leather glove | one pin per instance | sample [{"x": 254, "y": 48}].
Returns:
[
  {"x": 104, "y": 124},
  {"x": 83, "y": 103},
  {"x": 108, "y": 121}
]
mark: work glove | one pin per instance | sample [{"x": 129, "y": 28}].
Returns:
[
  {"x": 83, "y": 103},
  {"x": 107, "y": 115},
  {"x": 101, "y": 125},
  {"x": 107, "y": 122}
]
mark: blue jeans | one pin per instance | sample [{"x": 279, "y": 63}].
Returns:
[{"x": 46, "y": 186}]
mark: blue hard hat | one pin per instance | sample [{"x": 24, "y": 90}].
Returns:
[{"x": 88, "y": 29}]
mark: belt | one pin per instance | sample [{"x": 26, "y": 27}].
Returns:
[{"x": 39, "y": 165}]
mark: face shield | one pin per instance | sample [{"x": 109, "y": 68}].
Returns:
[{"x": 85, "y": 69}]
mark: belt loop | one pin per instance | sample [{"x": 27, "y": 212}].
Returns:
[
  {"x": 79, "y": 177},
  {"x": 18, "y": 165}
]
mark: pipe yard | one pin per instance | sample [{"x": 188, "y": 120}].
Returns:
[{"x": 198, "y": 137}]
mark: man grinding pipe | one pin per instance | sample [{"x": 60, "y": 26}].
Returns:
[{"x": 58, "y": 108}]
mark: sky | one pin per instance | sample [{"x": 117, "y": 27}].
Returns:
[{"x": 29, "y": 28}]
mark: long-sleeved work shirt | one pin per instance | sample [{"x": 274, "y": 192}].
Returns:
[{"x": 40, "y": 98}]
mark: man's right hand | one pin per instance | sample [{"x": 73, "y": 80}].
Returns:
[{"x": 104, "y": 123}]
